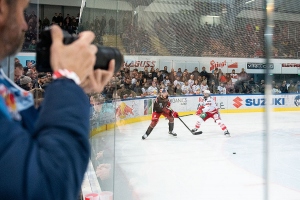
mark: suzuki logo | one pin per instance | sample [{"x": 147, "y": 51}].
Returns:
[{"x": 237, "y": 102}]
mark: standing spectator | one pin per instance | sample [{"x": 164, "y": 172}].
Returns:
[
  {"x": 196, "y": 73},
  {"x": 45, "y": 22},
  {"x": 102, "y": 25},
  {"x": 172, "y": 75},
  {"x": 179, "y": 72},
  {"x": 204, "y": 73},
  {"x": 164, "y": 71},
  {"x": 243, "y": 75},
  {"x": 60, "y": 18},
  {"x": 111, "y": 24},
  {"x": 234, "y": 77},
  {"x": 18, "y": 72},
  {"x": 67, "y": 18},
  {"x": 55, "y": 18}
]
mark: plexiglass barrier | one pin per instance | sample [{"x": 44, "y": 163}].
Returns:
[{"x": 186, "y": 47}]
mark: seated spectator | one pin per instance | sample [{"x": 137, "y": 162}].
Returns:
[
  {"x": 32, "y": 45},
  {"x": 276, "y": 90},
  {"x": 292, "y": 88},
  {"x": 186, "y": 88},
  {"x": 145, "y": 88},
  {"x": 213, "y": 88},
  {"x": 153, "y": 90},
  {"x": 221, "y": 89},
  {"x": 204, "y": 86},
  {"x": 138, "y": 89},
  {"x": 245, "y": 89},
  {"x": 283, "y": 87},
  {"x": 178, "y": 90},
  {"x": 171, "y": 89}
]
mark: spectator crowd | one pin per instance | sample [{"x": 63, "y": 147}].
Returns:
[{"x": 149, "y": 82}]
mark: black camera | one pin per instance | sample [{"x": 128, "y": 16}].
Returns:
[{"x": 103, "y": 56}]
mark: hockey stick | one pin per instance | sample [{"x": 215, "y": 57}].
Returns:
[
  {"x": 196, "y": 133},
  {"x": 186, "y": 115}
]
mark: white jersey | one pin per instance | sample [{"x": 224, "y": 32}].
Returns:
[
  {"x": 209, "y": 105},
  {"x": 186, "y": 89},
  {"x": 177, "y": 82},
  {"x": 191, "y": 82},
  {"x": 203, "y": 87},
  {"x": 152, "y": 90},
  {"x": 234, "y": 78},
  {"x": 195, "y": 88},
  {"x": 222, "y": 90}
]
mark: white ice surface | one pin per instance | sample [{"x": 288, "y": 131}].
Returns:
[{"x": 191, "y": 167}]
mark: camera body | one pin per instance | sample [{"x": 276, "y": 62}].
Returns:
[{"x": 103, "y": 56}]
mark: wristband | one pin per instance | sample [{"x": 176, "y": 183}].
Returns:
[{"x": 64, "y": 73}]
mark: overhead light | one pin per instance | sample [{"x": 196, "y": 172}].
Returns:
[
  {"x": 249, "y": 1},
  {"x": 212, "y": 16}
]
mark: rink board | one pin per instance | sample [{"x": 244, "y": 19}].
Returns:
[{"x": 136, "y": 110}]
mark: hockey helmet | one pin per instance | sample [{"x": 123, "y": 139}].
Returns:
[{"x": 206, "y": 93}]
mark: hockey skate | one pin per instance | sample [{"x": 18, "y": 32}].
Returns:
[
  {"x": 172, "y": 133},
  {"x": 226, "y": 133},
  {"x": 195, "y": 131},
  {"x": 144, "y": 136}
]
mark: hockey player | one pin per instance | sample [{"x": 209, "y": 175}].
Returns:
[
  {"x": 161, "y": 107},
  {"x": 208, "y": 109}
]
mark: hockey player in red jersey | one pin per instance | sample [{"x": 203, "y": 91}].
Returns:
[
  {"x": 208, "y": 109},
  {"x": 161, "y": 107}
]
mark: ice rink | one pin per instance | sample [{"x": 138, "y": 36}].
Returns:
[{"x": 189, "y": 167}]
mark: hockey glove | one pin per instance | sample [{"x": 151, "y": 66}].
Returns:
[
  {"x": 175, "y": 114},
  {"x": 199, "y": 111},
  {"x": 168, "y": 104}
]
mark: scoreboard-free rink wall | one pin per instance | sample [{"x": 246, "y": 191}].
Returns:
[{"x": 135, "y": 110}]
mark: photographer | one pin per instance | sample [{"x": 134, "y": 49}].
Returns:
[{"x": 45, "y": 155}]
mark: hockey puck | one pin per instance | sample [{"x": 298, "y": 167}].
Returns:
[{"x": 234, "y": 153}]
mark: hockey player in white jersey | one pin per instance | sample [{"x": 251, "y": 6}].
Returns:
[{"x": 208, "y": 109}]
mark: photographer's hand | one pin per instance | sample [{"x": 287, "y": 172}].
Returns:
[
  {"x": 79, "y": 57},
  {"x": 98, "y": 79}
]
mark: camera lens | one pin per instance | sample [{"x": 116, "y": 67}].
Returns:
[{"x": 105, "y": 55}]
